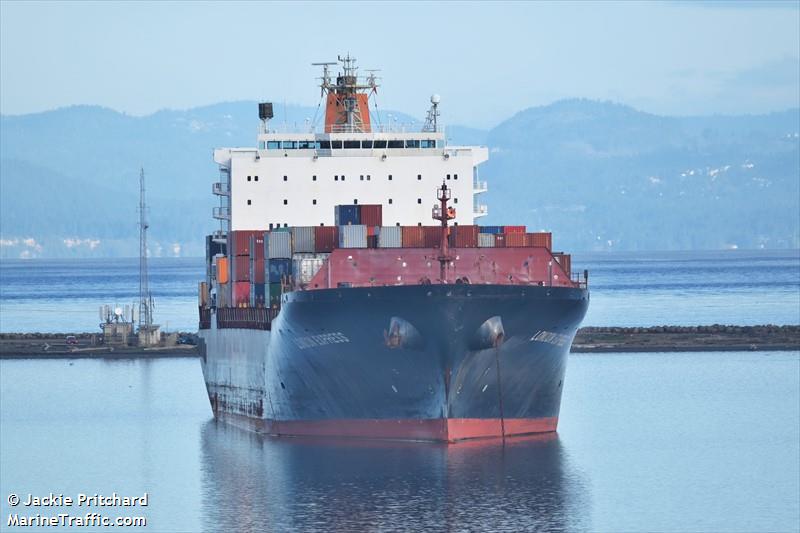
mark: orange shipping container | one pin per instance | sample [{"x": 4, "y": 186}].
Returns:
[
  {"x": 540, "y": 240},
  {"x": 241, "y": 293},
  {"x": 413, "y": 237},
  {"x": 222, "y": 270},
  {"x": 515, "y": 239}
]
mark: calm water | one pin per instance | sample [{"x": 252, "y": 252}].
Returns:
[
  {"x": 632, "y": 289},
  {"x": 647, "y": 442}
]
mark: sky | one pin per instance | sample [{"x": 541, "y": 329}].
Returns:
[{"x": 487, "y": 60}]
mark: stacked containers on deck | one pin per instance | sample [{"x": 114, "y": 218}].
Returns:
[
  {"x": 305, "y": 266},
  {"x": 303, "y": 239},
  {"x": 413, "y": 237},
  {"x": 432, "y": 236},
  {"x": 539, "y": 240},
  {"x": 354, "y": 236},
  {"x": 347, "y": 215},
  {"x": 486, "y": 240},
  {"x": 244, "y": 252},
  {"x": 326, "y": 238},
  {"x": 464, "y": 236},
  {"x": 390, "y": 237},
  {"x": 223, "y": 286},
  {"x": 280, "y": 263}
]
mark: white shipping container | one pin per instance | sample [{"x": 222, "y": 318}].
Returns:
[
  {"x": 303, "y": 237},
  {"x": 353, "y": 236},
  {"x": 486, "y": 240},
  {"x": 306, "y": 266},
  {"x": 280, "y": 244},
  {"x": 390, "y": 237}
]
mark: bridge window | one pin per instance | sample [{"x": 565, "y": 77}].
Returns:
[
  {"x": 289, "y": 145},
  {"x": 366, "y": 144},
  {"x": 412, "y": 144},
  {"x": 352, "y": 144},
  {"x": 305, "y": 145},
  {"x": 261, "y": 145},
  {"x": 395, "y": 144},
  {"x": 380, "y": 144},
  {"x": 273, "y": 145},
  {"x": 427, "y": 143},
  {"x": 336, "y": 144},
  {"x": 324, "y": 145}
]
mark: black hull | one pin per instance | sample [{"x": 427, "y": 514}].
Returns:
[{"x": 438, "y": 362}]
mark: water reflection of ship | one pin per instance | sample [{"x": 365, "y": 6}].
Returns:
[{"x": 256, "y": 483}]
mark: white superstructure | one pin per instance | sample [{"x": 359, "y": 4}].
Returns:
[{"x": 296, "y": 179}]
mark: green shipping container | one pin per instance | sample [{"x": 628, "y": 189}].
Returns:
[{"x": 274, "y": 294}]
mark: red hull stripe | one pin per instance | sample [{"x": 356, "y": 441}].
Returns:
[{"x": 452, "y": 429}]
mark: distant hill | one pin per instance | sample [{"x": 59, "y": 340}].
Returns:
[{"x": 601, "y": 175}]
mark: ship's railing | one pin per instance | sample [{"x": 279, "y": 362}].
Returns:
[
  {"x": 479, "y": 186},
  {"x": 222, "y": 212},
  {"x": 389, "y": 127},
  {"x": 205, "y": 318},
  {"x": 220, "y": 188},
  {"x": 246, "y": 317},
  {"x": 479, "y": 210}
]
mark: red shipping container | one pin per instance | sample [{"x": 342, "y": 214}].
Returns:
[
  {"x": 464, "y": 236},
  {"x": 539, "y": 240},
  {"x": 241, "y": 293},
  {"x": 413, "y": 237},
  {"x": 241, "y": 268},
  {"x": 326, "y": 238},
  {"x": 500, "y": 240},
  {"x": 513, "y": 229},
  {"x": 239, "y": 242},
  {"x": 432, "y": 236},
  {"x": 258, "y": 271},
  {"x": 515, "y": 240},
  {"x": 371, "y": 214}
]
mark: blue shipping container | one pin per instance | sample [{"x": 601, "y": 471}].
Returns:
[
  {"x": 494, "y": 230},
  {"x": 279, "y": 268},
  {"x": 347, "y": 215}
]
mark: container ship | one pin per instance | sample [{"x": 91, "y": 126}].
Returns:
[{"x": 349, "y": 291}]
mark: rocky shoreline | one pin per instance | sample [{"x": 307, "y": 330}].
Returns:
[{"x": 716, "y": 338}]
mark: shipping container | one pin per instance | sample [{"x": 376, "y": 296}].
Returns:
[
  {"x": 464, "y": 236},
  {"x": 223, "y": 298},
  {"x": 390, "y": 237},
  {"x": 372, "y": 230},
  {"x": 259, "y": 293},
  {"x": 243, "y": 242},
  {"x": 202, "y": 294},
  {"x": 241, "y": 268},
  {"x": 241, "y": 293},
  {"x": 372, "y": 241},
  {"x": 371, "y": 214},
  {"x": 494, "y": 230},
  {"x": 499, "y": 240},
  {"x": 513, "y": 229},
  {"x": 515, "y": 240},
  {"x": 258, "y": 270},
  {"x": 303, "y": 239},
  {"x": 347, "y": 215},
  {"x": 306, "y": 266},
  {"x": 413, "y": 237},
  {"x": 222, "y": 270},
  {"x": 354, "y": 236},
  {"x": 280, "y": 245},
  {"x": 486, "y": 240},
  {"x": 275, "y": 291},
  {"x": 279, "y": 269},
  {"x": 326, "y": 238},
  {"x": 539, "y": 240},
  {"x": 432, "y": 236}
]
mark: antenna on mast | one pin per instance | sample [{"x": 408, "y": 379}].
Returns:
[{"x": 146, "y": 327}]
